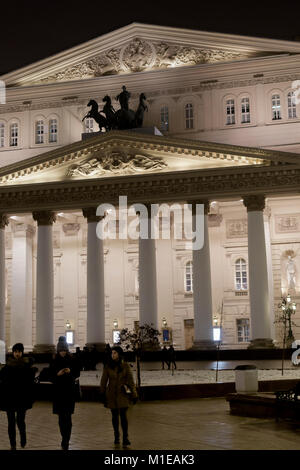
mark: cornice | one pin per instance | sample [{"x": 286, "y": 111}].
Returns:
[{"x": 178, "y": 186}]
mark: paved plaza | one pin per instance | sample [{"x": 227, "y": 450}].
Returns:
[{"x": 194, "y": 424}]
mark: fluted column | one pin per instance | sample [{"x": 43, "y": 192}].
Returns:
[
  {"x": 258, "y": 274},
  {"x": 3, "y": 223},
  {"x": 95, "y": 283},
  {"x": 147, "y": 270},
  {"x": 45, "y": 283},
  {"x": 203, "y": 317}
]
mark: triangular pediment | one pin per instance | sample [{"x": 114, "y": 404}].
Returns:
[
  {"x": 126, "y": 153},
  {"x": 139, "y": 48}
]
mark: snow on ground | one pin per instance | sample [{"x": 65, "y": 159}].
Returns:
[{"x": 181, "y": 377}]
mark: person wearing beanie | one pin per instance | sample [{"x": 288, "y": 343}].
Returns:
[
  {"x": 116, "y": 386},
  {"x": 17, "y": 392},
  {"x": 64, "y": 371}
]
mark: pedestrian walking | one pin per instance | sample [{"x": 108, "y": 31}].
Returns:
[
  {"x": 107, "y": 354},
  {"x": 17, "y": 392},
  {"x": 64, "y": 371},
  {"x": 164, "y": 358},
  {"x": 118, "y": 389},
  {"x": 171, "y": 357}
]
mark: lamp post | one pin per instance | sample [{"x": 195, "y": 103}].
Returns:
[{"x": 288, "y": 308}]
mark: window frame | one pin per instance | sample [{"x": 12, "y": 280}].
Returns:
[
  {"x": 189, "y": 116},
  {"x": 246, "y": 113},
  {"x": 229, "y": 105},
  {"x": 3, "y": 136},
  {"x": 276, "y": 96},
  {"x": 162, "y": 113},
  {"x": 12, "y": 137},
  {"x": 244, "y": 323},
  {"x": 242, "y": 261}
]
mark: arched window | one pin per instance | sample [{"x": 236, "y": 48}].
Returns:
[
  {"x": 52, "y": 131},
  {"x": 189, "y": 276},
  {"x": 14, "y": 135},
  {"x": 2, "y": 134},
  {"x": 230, "y": 112},
  {"x": 164, "y": 118},
  {"x": 39, "y": 132},
  {"x": 245, "y": 108},
  {"x": 241, "y": 282},
  {"x": 189, "y": 116},
  {"x": 292, "y": 112},
  {"x": 276, "y": 107},
  {"x": 89, "y": 125}
]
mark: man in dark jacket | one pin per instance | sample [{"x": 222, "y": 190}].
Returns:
[
  {"x": 16, "y": 392},
  {"x": 64, "y": 370}
]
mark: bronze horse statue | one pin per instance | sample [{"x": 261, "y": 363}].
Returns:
[
  {"x": 121, "y": 119},
  {"x": 94, "y": 113}
]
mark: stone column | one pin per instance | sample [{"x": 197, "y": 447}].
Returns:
[
  {"x": 21, "y": 291},
  {"x": 258, "y": 274},
  {"x": 203, "y": 316},
  {"x": 95, "y": 283},
  {"x": 45, "y": 283},
  {"x": 147, "y": 271},
  {"x": 3, "y": 222}
]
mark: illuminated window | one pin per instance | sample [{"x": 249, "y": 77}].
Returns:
[
  {"x": 217, "y": 333},
  {"x": 164, "y": 118},
  {"x": 39, "y": 132},
  {"x": 243, "y": 330},
  {"x": 70, "y": 337},
  {"x": 89, "y": 125},
  {"x": 189, "y": 116},
  {"x": 2, "y": 134},
  {"x": 245, "y": 106},
  {"x": 292, "y": 113},
  {"x": 52, "y": 131},
  {"x": 14, "y": 135},
  {"x": 241, "y": 275},
  {"x": 189, "y": 276},
  {"x": 276, "y": 107},
  {"x": 230, "y": 112}
]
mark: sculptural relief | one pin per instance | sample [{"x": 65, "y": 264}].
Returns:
[
  {"x": 291, "y": 272},
  {"x": 116, "y": 163}
]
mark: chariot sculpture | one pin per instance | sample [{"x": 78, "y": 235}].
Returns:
[{"x": 124, "y": 118}]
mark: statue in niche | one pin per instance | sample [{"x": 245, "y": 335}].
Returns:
[{"x": 291, "y": 273}]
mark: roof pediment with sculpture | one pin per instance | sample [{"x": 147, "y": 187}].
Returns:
[
  {"x": 126, "y": 153},
  {"x": 139, "y": 48}
]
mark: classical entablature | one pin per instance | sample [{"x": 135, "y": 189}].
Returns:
[
  {"x": 143, "y": 167},
  {"x": 139, "y": 48}
]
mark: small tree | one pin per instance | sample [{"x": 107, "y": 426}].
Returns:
[
  {"x": 287, "y": 309},
  {"x": 144, "y": 338}
]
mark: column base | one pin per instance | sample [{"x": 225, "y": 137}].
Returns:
[
  {"x": 44, "y": 349},
  {"x": 261, "y": 343},
  {"x": 100, "y": 347},
  {"x": 204, "y": 344}
]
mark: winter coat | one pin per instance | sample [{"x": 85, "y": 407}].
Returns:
[
  {"x": 116, "y": 375},
  {"x": 64, "y": 387},
  {"x": 17, "y": 385}
]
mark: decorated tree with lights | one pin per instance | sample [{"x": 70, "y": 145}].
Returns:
[{"x": 144, "y": 338}]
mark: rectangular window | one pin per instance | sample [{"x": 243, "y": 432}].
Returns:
[
  {"x": 164, "y": 118},
  {"x": 14, "y": 134},
  {"x": 39, "y": 132},
  {"x": 245, "y": 110},
  {"x": 89, "y": 125},
  {"x": 292, "y": 110},
  {"x": 243, "y": 330},
  {"x": 276, "y": 108},
  {"x": 52, "y": 131},
  {"x": 230, "y": 112},
  {"x": 189, "y": 116},
  {"x": 2, "y": 135}
]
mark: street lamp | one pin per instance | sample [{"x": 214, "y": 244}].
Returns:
[{"x": 288, "y": 309}]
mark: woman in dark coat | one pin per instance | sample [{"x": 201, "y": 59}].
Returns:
[
  {"x": 116, "y": 382},
  {"x": 64, "y": 370},
  {"x": 17, "y": 392}
]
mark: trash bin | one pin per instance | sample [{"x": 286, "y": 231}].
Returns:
[{"x": 246, "y": 379}]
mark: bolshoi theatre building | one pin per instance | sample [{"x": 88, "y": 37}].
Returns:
[{"x": 222, "y": 130}]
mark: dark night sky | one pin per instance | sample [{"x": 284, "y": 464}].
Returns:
[{"x": 32, "y": 30}]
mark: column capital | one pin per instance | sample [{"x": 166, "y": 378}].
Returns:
[
  {"x": 254, "y": 202},
  {"x": 22, "y": 229},
  {"x": 90, "y": 214},
  {"x": 200, "y": 201},
  {"x": 44, "y": 217},
  {"x": 3, "y": 220}
]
